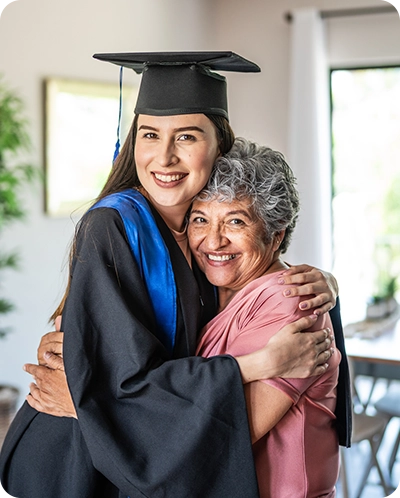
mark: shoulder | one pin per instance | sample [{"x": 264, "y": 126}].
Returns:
[
  {"x": 101, "y": 233},
  {"x": 265, "y": 294},
  {"x": 112, "y": 211},
  {"x": 126, "y": 202},
  {"x": 98, "y": 222}
]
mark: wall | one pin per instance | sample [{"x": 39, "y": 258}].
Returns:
[
  {"x": 258, "y": 29},
  {"x": 42, "y": 38}
]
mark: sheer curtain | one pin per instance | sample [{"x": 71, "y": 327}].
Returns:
[{"x": 309, "y": 139}]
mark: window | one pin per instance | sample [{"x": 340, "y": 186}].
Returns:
[{"x": 366, "y": 184}]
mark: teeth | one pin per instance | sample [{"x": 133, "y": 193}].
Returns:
[
  {"x": 221, "y": 258},
  {"x": 168, "y": 178}
]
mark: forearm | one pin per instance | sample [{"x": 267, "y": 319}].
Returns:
[
  {"x": 289, "y": 353},
  {"x": 257, "y": 365}
]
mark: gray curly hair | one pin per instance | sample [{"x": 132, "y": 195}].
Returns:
[{"x": 255, "y": 172}]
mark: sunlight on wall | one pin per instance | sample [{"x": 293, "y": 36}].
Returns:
[{"x": 81, "y": 131}]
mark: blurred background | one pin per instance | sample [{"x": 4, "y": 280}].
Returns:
[{"x": 328, "y": 97}]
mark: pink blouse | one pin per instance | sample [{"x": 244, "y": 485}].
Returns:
[{"x": 299, "y": 457}]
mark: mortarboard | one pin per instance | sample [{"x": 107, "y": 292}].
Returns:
[{"x": 181, "y": 82}]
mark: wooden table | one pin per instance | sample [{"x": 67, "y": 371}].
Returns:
[{"x": 373, "y": 347}]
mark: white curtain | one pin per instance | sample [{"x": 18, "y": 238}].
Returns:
[{"x": 309, "y": 139}]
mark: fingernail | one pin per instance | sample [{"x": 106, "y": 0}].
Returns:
[
  {"x": 317, "y": 313},
  {"x": 287, "y": 292},
  {"x": 303, "y": 306},
  {"x": 333, "y": 350},
  {"x": 24, "y": 368},
  {"x": 47, "y": 355},
  {"x": 281, "y": 281}
]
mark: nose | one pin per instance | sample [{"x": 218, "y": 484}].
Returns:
[
  {"x": 215, "y": 238},
  {"x": 166, "y": 153}
]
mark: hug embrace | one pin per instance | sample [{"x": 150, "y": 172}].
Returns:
[{"x": 181, "y": 254}]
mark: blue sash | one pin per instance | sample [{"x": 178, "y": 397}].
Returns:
[{"x": 152, "y": 257}]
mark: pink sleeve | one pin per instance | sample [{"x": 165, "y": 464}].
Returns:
[{"x": 266, "y": 316}]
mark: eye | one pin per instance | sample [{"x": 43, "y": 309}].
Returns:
[
  {"x": 198, "y": 220},
  {"x": 186, "y": 138},
  {"x": 149, "y": 135},
  {"x": 236, "y": 221}
]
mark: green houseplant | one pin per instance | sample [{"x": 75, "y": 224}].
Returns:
[
  {"x": 383, "y": 302},
  {"x": 14, "y": 140}
]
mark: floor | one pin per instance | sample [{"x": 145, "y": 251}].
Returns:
[{"x": 358, "y": 454}]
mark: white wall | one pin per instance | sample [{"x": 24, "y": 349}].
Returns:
[
  {"x": 258, "y": 30},
  {"x": 364, "y": 40},
  {"x": 42, "y": 38}
]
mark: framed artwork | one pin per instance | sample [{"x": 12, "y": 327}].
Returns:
[{"x": 81, "y": 122}]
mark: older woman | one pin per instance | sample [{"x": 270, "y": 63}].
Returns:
[{"x": 239, "y": 226}]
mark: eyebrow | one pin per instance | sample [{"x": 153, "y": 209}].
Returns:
[
  {"x": 175, "y": 130},
  {"x": 229, "y": 213}
]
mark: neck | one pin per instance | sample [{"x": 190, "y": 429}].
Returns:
[
  {"x": 174, "y": 216},
  {"x": 225, "y": 294}
]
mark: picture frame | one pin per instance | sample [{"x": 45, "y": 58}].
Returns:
[{"x": 81, "y": 123}]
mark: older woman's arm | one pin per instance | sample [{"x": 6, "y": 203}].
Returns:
[{"x": 266, "y": 405}]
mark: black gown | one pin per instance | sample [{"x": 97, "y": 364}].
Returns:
[{"x": 148, "y": 426}]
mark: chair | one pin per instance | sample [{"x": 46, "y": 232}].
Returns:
[
  {"x": 369, "y": 428},
  {"x": 389, "y": 406},
  {"x": 365, "y": 428}
]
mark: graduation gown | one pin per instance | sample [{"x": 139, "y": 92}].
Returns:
[
  {"x": 150, "y": 423},
  {"x": 344, "y": 402}
]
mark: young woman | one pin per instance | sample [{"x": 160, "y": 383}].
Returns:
[{"x": 152, "y": 419}]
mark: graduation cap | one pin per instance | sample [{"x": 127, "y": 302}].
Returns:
[{"x": 181, "y": 82}]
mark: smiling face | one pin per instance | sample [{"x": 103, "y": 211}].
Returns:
[
  {"x": 230, "y": 246},
  {"x": 174, "y": 156}
]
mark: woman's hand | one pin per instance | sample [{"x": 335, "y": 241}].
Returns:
[
  {"x": 310, "y": 280},
  {"x": 49, "y": 393},
  {"x": 51, "y": 346},
  {"x": 290, "y": 353}
]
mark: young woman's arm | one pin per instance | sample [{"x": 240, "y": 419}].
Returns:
[
  {"x": 311, "y": 281},
  {"x": 289, "y": 353}
]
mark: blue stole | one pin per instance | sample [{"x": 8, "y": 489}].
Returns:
[{"x": 152, "y": 257}]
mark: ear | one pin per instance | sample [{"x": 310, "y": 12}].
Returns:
[{"x": 278, "y": 238}]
